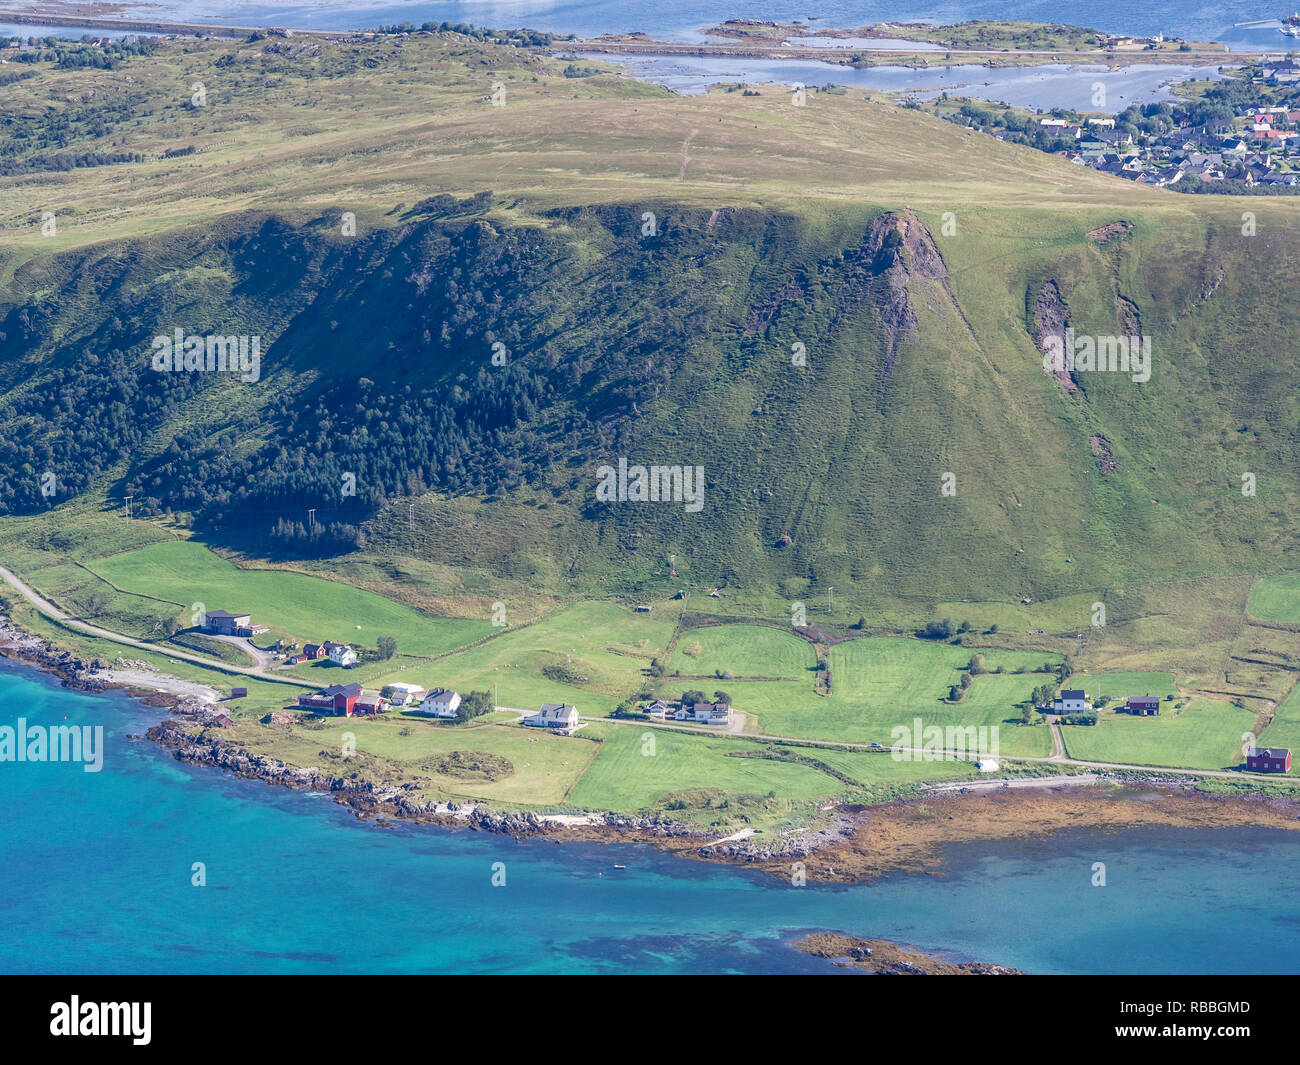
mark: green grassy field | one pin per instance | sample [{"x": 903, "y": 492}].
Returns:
[
  {"x": 1285, "y": 728},
  {"x": 543, "y": 767},
  {"x": 605, "y": 642},
  {"x": 1276, "y": 598},
  {"x": 624, "y": 777},
  {"x": 305, "y": 609},
  {"x": 883, "y": 682},
  {"x": 745, "y": 651},
  {"x": 1119, "y": 686},
  {"x": 1204, "y": 735}
]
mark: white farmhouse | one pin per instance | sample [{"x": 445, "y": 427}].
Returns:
[
  {"x": 440, "y": 703},
  {"x": 556, "y": 716},
  {"x": 340, "y": 654},
  {"x": 1071, "y": 701}
]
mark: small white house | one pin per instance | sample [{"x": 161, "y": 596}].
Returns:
[
  {"x": 341, "y": 654},
  {"x": 401, "y": 694},
  {"x": 440, "y": 703},
  {"x": 658, "y": 709},
  {"x": 556, "y": 716}
]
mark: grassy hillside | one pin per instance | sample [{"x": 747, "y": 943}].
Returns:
[{"x": 911, "y": 261}]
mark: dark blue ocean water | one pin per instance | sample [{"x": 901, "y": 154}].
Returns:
[{"x": 95, "y": 876}]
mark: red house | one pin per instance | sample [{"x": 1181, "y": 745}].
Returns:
[
  {"x": 313, "y": 650},
  {"x": 337, "y": 698},
  {"x": 1268, "y": 760},
  {"x": 1144, "y": 705}
]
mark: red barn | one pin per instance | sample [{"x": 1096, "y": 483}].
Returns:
[
  {"x": 338, "y": 698},
  {"x": 1268, "y": 760}
]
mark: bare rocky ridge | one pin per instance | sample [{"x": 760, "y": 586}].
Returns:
[
  {"x": 899, "y": 248},
  {"x": 1112, "y": 231}
]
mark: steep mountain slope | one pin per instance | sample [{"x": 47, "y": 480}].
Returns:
[{"x": 860, "y": 380}]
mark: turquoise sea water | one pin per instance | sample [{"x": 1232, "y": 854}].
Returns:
[{"x": 96, "y": 877}]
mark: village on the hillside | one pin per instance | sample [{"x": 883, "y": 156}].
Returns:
[{"x": 1229, "y": 146}]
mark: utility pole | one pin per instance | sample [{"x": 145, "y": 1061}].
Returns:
[
  {"x": 832, "y": 591},
  {"x": 411, "y": 517},
  {"x": 128, "y": 505},
  {"x": 311, "y": 518}
]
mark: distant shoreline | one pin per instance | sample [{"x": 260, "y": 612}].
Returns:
[{"x": 131, "y": 25}]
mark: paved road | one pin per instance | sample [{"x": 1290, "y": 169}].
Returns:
[
  {"x": 51, "y": 611},
  {"x": 1058, "y": 741},
  {"x": 264, "y": 660}
]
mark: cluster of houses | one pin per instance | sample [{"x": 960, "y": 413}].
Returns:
[
  {"x": 351, "y": 700},
  {"x": 1124, "y": 43},
  {"x": 1260, "y": 146},
  {"x": 338, "y": 653},
  {"x": 228, "y": 623},
  {"x": 1258, "y": 759},
  {"x": 707, "y": 713},
  {"x": 1071, "y": 701}
]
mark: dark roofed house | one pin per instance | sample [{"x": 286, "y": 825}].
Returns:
[
  {"x": 1144, "y": 705},
  {"x": 224, "y": 623},
  {"x": 313, "y": 650},
  {"x": 1071, "y": 701},
  {"x": 1268, "y": 760}
]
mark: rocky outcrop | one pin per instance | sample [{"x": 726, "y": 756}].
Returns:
[
  {"x": 790, "y": 846},
  {"x": 1051, "y": 317},
  {"x": 886, "y": 957},
  {"x": 900, "y": 248}
]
